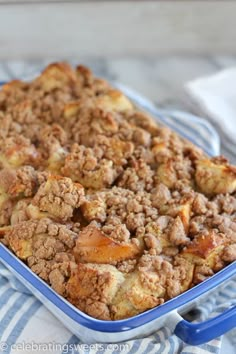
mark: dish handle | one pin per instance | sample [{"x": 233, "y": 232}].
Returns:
[{"x": 202, "y": 332}]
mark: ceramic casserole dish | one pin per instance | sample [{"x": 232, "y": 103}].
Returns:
[{"x": 91, "y": 330}]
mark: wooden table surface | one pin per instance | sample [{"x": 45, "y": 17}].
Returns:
[{"x": 34, "y": 28}]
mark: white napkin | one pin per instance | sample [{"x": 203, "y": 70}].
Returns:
[{"x": 216, "y": 97}]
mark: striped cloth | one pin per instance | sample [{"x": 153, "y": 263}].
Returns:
[
  {"x": 25, "y": 321},
  {"x": 27, "y": 326}
]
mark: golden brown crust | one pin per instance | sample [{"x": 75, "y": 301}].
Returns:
[
  {"x": 205, "y": 249},
  {"x": 18, "y": 151},
  {"x": 93, "y": 246},
  {"x": 55, "y": 76},
  {"x": 215, "y": 178},
  {"x": 96, "y": 285},
  {"x": 116, "y": 212}
]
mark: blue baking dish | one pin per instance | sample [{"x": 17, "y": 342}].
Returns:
[{"x": 91, "y": 330}]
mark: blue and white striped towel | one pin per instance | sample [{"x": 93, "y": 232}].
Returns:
[
  {"x": 25, "y": 321},
  {"x": 27, "y": 326}
]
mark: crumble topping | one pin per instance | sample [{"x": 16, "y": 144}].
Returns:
[
  {"x": 114, "y": 211},
  {"x": 58, "y": 196}
]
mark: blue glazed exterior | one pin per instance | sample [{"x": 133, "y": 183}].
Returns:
[
  {"x": 191, "y": 333},
  {"x": 121, "y": 325},
  {"x": 199, "y": 333}
]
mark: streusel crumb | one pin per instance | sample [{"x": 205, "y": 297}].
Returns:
[{"x": 116, "y": 212}]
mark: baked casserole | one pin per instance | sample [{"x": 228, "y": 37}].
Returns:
[{"x": 115, "y": 212}]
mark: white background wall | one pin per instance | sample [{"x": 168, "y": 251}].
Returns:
[{"x": 32, "y": 29}]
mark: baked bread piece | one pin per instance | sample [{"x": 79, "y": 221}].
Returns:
[{"x": 116, "y": 212}]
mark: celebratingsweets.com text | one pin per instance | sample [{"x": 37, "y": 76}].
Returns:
[{"x": 63, "y": 347}]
